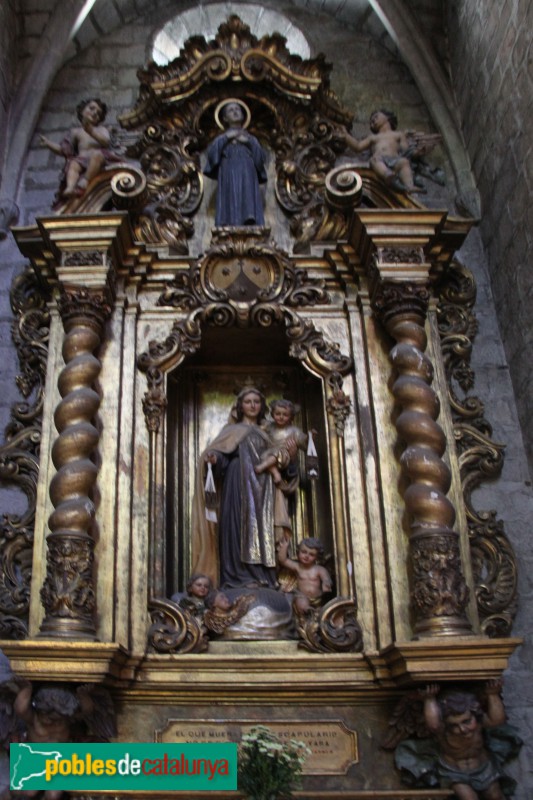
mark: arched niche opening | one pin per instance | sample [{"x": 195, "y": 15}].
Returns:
[{"x": 200, "y": 393}]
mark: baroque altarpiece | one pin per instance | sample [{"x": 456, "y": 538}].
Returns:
[{"x": 138, "y": 322}]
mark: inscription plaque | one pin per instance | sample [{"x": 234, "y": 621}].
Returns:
[{"x": 333, "y": 745}]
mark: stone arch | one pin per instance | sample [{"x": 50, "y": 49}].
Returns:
[{"x": 205, "y": 20}]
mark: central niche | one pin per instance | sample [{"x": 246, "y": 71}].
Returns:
[{"x": 201, "y": 393}]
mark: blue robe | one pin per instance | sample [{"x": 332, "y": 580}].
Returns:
[{"x": 239, "y": 168}]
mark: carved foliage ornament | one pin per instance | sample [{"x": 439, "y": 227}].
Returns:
[
  {"x": 246, "y": 282},
  {"x": 19, "y": 456},
  {"x": 68, "y": 587},
  {"x": 84, "y": 258},
  {"x": 393, "y": 300},
  {"x": 243, "y": 267},
  {"x": 174, "y": 629},
  {"x": 172, "y": 188},
  {"x": 79, "y": 306},
  {"x": 480, "y": 459},
  {"x": 331, "y": 629},
  {"x": 438, "y": 587}
]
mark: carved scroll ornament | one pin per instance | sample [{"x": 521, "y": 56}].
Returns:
[
  {"x": 172, "y": 188},
  {"x": 331, "y": 629},
  {"x": 480, "y": 459},
  {"x": 174, "y": 629},
  {"x": 245, "y": 282},
  {"x": 19, "y": 456}
]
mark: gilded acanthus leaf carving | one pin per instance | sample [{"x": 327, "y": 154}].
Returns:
[
  {"x": 331, "y": 629},
  {"x": 439, "y": 588},
  {"x": 480, "y": 459},
  {"x": 19, "y": 456},
  {"x": 173, "y": 185},
  {"x": 174, "y": 629},
  {"x": 68, "y": 588},
  {"x": 155, "y": 400},
  {"x": 244, "y": 280}
]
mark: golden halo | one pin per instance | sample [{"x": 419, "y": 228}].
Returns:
[{"x": 241, "y": 103}]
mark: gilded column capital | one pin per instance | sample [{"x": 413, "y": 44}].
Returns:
[
  {"x": 78, "y": 305},
  {"x": 394, "y": 303}
]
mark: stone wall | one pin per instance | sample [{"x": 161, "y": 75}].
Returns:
[
  {"x": 9, "y": 30},
  {"x": 491, "y": 59},
  {"x": 510, "y": 496},
  {"x": 8, "y": 39}
]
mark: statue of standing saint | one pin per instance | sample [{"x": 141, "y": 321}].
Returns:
[{"x": 237, "y": 161}]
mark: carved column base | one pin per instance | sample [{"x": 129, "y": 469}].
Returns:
[
  {"x": 439, "y": 591},
  {"x": 68, "y": 594},
  {"x": 443, "y": 626}
]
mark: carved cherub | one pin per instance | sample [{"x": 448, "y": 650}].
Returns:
[
  {"x": 456, "y": 747},
  {"x": 54, "y": 713},
  {"x": 198, "y": 588},
  {"x": 59, "y": 713},
  {"x": 392, "y": 150},
  {"x": 312, "y": 579},
  {"x": 222, "y": 612},
  {"x": 86, "y": 149},
  {"x": 285, "y": 436}
]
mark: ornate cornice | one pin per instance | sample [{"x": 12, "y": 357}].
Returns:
[
  {"x": 244, "y": 281},
  {"x": 234, "y": 54}
]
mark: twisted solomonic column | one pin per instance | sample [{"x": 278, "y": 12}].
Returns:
[
  {"x": 439, "y": 592},
  {"x": 68, "y": 593}
]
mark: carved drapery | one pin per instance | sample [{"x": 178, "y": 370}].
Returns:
[
  {"x": 480, "y": 459},
  {"x": 68, "y": 593}
]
